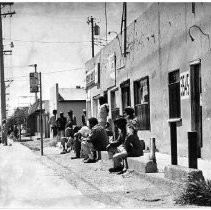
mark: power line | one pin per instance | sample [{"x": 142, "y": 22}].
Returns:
[
  {"x": 49, "y": 42},
  {"x": 51, "y": 72}
]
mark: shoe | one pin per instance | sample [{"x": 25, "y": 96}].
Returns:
[
  {"x": 89, "y": 161},
  {"x": 117, "y": 169},
  {"x": 63, "y": 152},
  {"x": 74, "y": 157}
]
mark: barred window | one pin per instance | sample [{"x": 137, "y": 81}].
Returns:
[{"x": 142, "y": 103}]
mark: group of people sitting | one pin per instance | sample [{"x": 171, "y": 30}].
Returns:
[{"x": 97, "y": 136}]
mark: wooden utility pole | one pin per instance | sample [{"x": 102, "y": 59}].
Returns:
[
  {"x": 92, "y": 30},
  {"x": 41, "y": 122},
  {"x": 3, "y": 96},
  {"x": 125, "y": 27},
  {"x": 91, "y": 20}
]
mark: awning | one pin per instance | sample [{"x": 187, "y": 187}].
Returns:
[{"x": 35, "y": 108}]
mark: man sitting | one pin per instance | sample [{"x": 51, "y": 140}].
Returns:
[{"x": 96, "y": 141}]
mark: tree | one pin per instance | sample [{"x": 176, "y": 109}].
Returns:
[{"x": 19, "y": 117}]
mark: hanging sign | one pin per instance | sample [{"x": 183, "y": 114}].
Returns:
[
  {"x": 185, "y": 85},
  {"x": 34, "y": 82}
]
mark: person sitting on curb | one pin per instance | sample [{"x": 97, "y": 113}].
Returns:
[
  {"x": 116, "y": 147},
  {"x": 67, "y": 141},
  {"x": 130, "y": 147},
  {"x": 96, "y": 141},
  {"x": 80, "y": 136},
  {"x": 130, "y": 117}
]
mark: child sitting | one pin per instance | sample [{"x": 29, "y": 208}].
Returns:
[{"x": 80, "y": 136}]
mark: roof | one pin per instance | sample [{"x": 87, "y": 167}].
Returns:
[
  {"x": 72, "y": 94},
  {"x": 35, "y": 107}
]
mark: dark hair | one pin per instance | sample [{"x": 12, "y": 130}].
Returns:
[
  {"x": 76, "y": 129},
  {"x": 121, "y": 123},
  {"x": 70, "y": 112},
  {"x": 102, "y": 100},
  {"x": 54, "y": 111},
  {"x": 129, "y": 111},
  {"x": 93, "y": 121}
]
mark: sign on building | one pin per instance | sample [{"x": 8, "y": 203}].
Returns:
[
  {"x": 34, "y": 82},
  {"x": 90, "y": 78},
  {"x": 185, "y": 85},
  {"x": 111, "y": 66}
]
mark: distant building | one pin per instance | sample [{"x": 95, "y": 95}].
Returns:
[
  {"x": 164, "y": 74},
  {"x": 66, "y": 99},
  {"x": 33, "y": 120}
]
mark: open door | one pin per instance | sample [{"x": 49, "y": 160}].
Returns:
[{"x": 196, "y": 106}]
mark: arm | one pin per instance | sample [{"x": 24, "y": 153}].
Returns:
[
  {"x": 93, "y": 136},
  {"x": 118, "y": 141}
]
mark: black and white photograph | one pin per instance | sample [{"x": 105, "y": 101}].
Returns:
[{"x": 105, "y": 104}]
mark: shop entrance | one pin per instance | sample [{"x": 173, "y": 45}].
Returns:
[{"x": 196, "y": 104}]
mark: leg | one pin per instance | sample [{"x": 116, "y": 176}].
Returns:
[{"x": 117, "y": 158}]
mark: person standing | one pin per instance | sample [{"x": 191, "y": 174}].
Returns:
[
  {"x": 53, "y": 123},
  {"x": 71, "y": 118},
  {"x": 84, "y": 117},
  {"x": 61, "y": 123},
  {"x": 4, "y": 132},
  {"x": 103, "y": 111}
]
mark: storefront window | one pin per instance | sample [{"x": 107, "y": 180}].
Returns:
[
  {"x": 125, "y": 94},
  {"x": 142, "y": 103}
]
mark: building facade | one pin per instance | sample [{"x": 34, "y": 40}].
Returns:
[
  {"x": 66, "y": 99},
  {"x": 33, "y": 120},
  {"x": 165, "y": 75}
]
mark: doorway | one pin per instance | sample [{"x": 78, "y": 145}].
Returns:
[{"x": 196, "y": 104}]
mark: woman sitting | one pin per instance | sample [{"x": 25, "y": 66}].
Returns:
[{"x": 127, "y": 144}]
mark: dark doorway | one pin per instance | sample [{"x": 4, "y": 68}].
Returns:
[{"x": 196, "y": 106}]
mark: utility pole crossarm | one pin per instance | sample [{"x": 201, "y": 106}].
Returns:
[{"x": 8, "y": 13}]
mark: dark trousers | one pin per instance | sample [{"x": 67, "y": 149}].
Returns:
[{"x": 54, "y": 129}]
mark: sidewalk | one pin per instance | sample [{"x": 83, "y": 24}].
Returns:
[
  {"x": 165, "y": 159},
  {"x": 26, "y": 183}
]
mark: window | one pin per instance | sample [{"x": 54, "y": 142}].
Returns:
[
  {"x": 142, "y": 103},
  {"x": 125, "y": 94},
  {"x": 174, "y": 94}
]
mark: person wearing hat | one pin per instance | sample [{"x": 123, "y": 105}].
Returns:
[{"x": 61, "y": 123}]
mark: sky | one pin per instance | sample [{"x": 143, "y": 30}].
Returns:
[{"x": 56, "y": 37}]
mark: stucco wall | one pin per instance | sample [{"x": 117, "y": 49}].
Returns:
[
  {"x": 76, "y": 106},
  {"x": 158, "y": 43}
]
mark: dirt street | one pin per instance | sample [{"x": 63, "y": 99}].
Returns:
[{"x": 94, "y": 181}]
